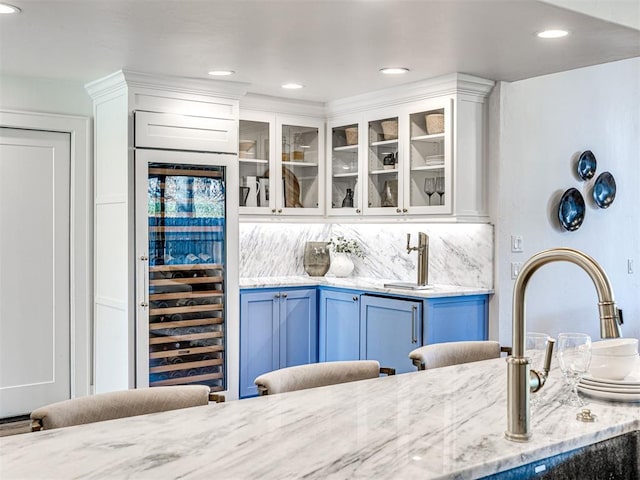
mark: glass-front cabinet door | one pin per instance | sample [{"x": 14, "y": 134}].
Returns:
[
  {"x": 254, "y": 161},
  {"x": 428, "y": 178},
  {"x": 344, "y": 168},
  {"x": 299, "y": 187},
  {"x": 384, "y": 194}
]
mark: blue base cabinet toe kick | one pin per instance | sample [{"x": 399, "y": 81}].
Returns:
[{"x": 286, "y": 327}]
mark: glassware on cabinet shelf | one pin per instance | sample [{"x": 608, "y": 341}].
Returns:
[
  {"x": 429, "y": 187},
  {"x": 440, "y": 189}
]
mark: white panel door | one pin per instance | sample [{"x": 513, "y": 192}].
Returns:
[{"x": 34, "y": 269}]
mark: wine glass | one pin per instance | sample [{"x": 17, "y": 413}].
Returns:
[
  {"x": 536, "y": 348},
  {"x": 574, "y": 356},
  {"x": 429, "y": 187},
  {"x": 440, "y": 189}
]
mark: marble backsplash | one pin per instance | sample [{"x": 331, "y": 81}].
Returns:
[{"x": 459, "y": 254}]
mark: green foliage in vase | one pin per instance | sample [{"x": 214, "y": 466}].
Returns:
[{"x": 342, "y": 245}]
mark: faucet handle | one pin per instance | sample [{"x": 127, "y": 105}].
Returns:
[
  {"x": 548, "y": 355},
  {"x": 408, "y": 242}
]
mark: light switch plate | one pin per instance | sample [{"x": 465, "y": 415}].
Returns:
[
  {"x": 515, "y": 269},
  {"x": 516, "y": 243}
]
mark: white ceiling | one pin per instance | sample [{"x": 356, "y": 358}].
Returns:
[{"x": 334, "y": 47}]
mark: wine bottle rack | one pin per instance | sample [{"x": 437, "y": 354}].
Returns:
[{"x": 186, "y": 325}]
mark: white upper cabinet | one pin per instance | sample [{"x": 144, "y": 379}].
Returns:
[
  {"x": 290, "y": 145},
  {"x": 412, "y": 151}
]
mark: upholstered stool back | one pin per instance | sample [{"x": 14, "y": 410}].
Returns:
[
  {"x": 318, "y": 375},
  {"x": 438, "y": 355},
  {"x": 126, "y": 403}
]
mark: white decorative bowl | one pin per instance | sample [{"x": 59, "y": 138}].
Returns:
[
  {"x": 615, "y": 346},
  {"x": 612, "y": 367}
]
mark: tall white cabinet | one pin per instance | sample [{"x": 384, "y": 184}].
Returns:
[{"x": 211, "y": 108}]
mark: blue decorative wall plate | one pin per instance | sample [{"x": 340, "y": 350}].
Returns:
[
  {"x": 604, "y": 190},
  {"x": 587, "y": 165},
  {"x": 571, "y": 210}
]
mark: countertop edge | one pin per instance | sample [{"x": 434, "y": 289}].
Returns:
[{"x": 360, "y": 283}]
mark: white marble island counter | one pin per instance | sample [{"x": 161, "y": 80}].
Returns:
[
  {"x": 360, "y": 283},
  {"x": 444, "y": 423}
]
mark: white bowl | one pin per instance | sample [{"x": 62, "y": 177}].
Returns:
[
  {"x": 615, "y": 346},
  {"x": 612, "y": 367}
]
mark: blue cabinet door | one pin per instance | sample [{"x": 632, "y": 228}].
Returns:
[
  {"x": 454, "y": 319},
  {"x": 298, "y": 327},
  {"x": 389, "y": 329},
  {"x": 339, "y": 326},
  {"x": 259, "y": 326}
]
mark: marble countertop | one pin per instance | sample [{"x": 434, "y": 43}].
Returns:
[
  {"x": 360, "y": 283},
  {"x": 442, "y": 423}
]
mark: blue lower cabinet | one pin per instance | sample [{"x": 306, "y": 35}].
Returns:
[
  {"x": 390, "y": 328},
  {"x": 278, "y": 328},
  {"x": 455, "y": 319},
  {"x": 339, "y": 325}
]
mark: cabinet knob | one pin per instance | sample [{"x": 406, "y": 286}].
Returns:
[
  {"x": 357, "y": 210},
  {"x": 273, "y": 210},
  {"x": 279, "y": 210},
  {"x": 277, "y": 295},
  {"x": 284, "y": 295},
  {"x": 398, "y": 210},
  {"x": 355, "y": 298},
  {"x": 144, "y": 258},
  {"x": 404, "y": 210},
  {"x": 144, "y": 304}
]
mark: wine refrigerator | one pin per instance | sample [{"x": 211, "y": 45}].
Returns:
[{"x": 182, "y": 276}]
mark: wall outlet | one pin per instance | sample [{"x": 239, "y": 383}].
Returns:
[
  {"x": 515, "y": 269},
  {"x": 516, "y": 243}
]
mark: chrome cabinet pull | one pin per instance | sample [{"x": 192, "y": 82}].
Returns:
[
  {"x": 355, "y": 299},
  {"x": 277, "y": 295},
  {"x": 357, "y": 210},
  {"x": 413, "y": 324},
  {"x": 284, "y": 295}
]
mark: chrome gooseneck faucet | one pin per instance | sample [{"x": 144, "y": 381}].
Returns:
[
  {"x": 520, "y": 379},
  {"x": 423, "y": 256}
]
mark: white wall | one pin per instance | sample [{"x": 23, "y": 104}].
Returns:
[
  {"x": 544, "y": 124},
  {"x": 44, "y": 95}
]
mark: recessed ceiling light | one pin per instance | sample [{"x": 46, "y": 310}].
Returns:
[
  {"x": 6, "y": 8},
  {"x": 221, "y": 73},
  {"x": 394, "y": 70},
  {"x": 292, "y": 86},
  {"x": 553, "y": 34}
]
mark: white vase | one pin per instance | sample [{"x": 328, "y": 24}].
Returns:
[{"x": 341, "y": 264}]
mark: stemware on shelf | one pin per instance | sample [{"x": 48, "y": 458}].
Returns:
[
  {"x": 440, "y": 188},
  {"x": 574, "y": 356},
  {"x": 429, "y": 187}
]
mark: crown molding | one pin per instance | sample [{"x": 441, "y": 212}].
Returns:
[
  {"x": 195, "y": 86},
  {"x": 451, "y": 84}
]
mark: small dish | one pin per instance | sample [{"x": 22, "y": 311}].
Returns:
[
  {"x": 587, "y": 165},
  {"x": 571, "y": 210},
  {"x": 604, "y": 190}
]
